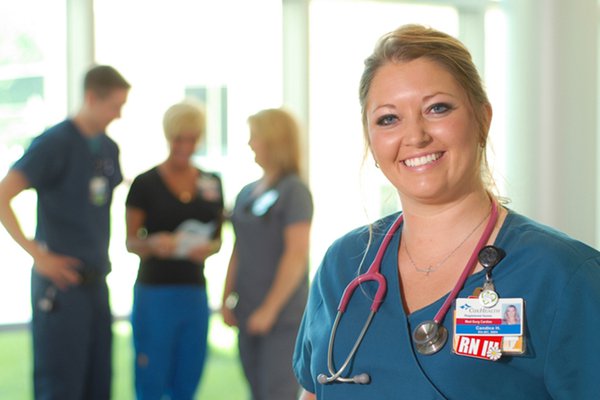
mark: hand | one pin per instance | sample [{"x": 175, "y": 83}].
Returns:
[
  {"x": 261, "y": 321},
  {"x": 200, "y": 253},
  {"x": 60, "y": 269},
  {"x": 307, "y": 395},
  {"x": 228, "y": 317},
  {"x": 162, "y": 244}
]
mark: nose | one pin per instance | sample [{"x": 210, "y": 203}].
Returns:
[
  {"x": 415, "y": 132},
  {"x": 189, "y": 147}
]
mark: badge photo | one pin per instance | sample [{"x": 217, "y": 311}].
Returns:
[
  {"x": 208, "y": 188},
  {"x": 98, "y": 190}
]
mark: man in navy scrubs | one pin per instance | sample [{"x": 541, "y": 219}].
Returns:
[{"x": 73, "y": 167}]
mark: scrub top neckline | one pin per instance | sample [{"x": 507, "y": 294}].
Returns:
[{"x": 425, "y": 312}]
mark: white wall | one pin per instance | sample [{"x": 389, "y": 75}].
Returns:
[{"x": 553, "y": 113}]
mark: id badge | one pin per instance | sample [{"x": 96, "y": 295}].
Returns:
[
  {"x": 489, "y": 332},
  {"x": 208, "y": 188},
  {"x": 98, "y": 190}
]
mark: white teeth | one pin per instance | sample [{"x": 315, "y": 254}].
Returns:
[{"x": 419, "y": 161}]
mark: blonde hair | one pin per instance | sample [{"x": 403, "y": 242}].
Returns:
[
  {"x": 184, "y": 116},
  {"x": 279, "y": 131},
  {"x": 410, "y": 42}
]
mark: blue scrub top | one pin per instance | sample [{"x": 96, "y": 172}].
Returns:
[
  {"x": 558, "y": 277},
  {"x": 60, "y": 164}
]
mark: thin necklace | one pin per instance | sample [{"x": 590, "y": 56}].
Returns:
[{"x": 432, "y": 268}]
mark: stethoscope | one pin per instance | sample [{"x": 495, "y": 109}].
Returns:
[{"x": 429, "y": 336}]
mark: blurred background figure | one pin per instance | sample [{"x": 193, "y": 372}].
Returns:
[
  {"x": 174, "y": 216},
  {"x": 266, "y": 284},
  {"x": 74, "y": 168}
]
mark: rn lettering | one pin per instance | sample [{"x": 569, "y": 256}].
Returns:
[{"x": 473, "y": 346}]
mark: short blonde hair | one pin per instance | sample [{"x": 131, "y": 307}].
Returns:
[
  {"x": 184, "y": 116},
  {"x": 280, "y": 133}
]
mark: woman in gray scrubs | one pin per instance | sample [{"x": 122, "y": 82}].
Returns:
[{"x": 266, "y": 285}]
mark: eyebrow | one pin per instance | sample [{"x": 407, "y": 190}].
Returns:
[
  {"x": 437, "y": 94},
  {"x": 425, "y": 98},
  {"x": 382, "y": 106}
]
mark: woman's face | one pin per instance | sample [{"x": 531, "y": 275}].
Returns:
[
  {"x": 259, "y": 147},
  {"x": 422, "y": 132},
  {"x": 182, "y": 147},
  {"x": 511, "y": 313}
]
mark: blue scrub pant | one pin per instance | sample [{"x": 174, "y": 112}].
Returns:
[
  {"x": 170, "y": 329},
  {"x": 72, "y": 341}
]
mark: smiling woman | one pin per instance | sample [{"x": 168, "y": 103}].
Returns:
[
  {"x": 426, "y": 119},
  {"x": 422, "y": 132}
]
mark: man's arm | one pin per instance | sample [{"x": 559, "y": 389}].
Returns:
[{"x": 58, "y": 268}]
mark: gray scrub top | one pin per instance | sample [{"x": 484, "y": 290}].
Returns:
[{"x": 259, "y": 223}]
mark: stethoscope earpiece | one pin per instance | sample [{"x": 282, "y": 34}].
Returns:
[{"x": 361, "y": 379}]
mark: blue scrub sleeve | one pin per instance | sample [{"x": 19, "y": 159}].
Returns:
[
  {"x": 326, "y": 290},
  {"x": 303, "y": 350},
  {"x": 572, "y": 365},
  {"x": 44, "y": 161}
]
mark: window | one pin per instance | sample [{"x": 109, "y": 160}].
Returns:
[
  {"x": 227, "y": 53},
  {"x": 32, "y": 97},
  {"x": 233, "y": 62}
]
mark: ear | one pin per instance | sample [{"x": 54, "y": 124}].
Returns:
[
  {"x": 486, "y": 122},
  {"x": 488, "y": 115},
  {"x": 89, "y": 97},
  {"x": 487, "y": 110}
]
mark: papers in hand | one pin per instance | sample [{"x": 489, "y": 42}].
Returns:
[{"x": 192, "y": 233}]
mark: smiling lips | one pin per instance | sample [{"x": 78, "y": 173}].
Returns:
[{"x": 423, "y": 160}]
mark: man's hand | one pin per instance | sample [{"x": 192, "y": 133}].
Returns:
[{"x": 60, "y": 269}]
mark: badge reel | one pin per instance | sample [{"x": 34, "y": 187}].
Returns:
[
  {"x": 485, "y": 325},
  {"x": 489, "y": 257}
]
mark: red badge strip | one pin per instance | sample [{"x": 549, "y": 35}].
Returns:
[{"x": 484, "y": 347}]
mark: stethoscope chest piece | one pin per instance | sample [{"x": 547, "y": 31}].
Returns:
[{"x": 430, "y": 337}]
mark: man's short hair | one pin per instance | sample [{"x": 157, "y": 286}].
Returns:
[{"x": 102, "y": 79}]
